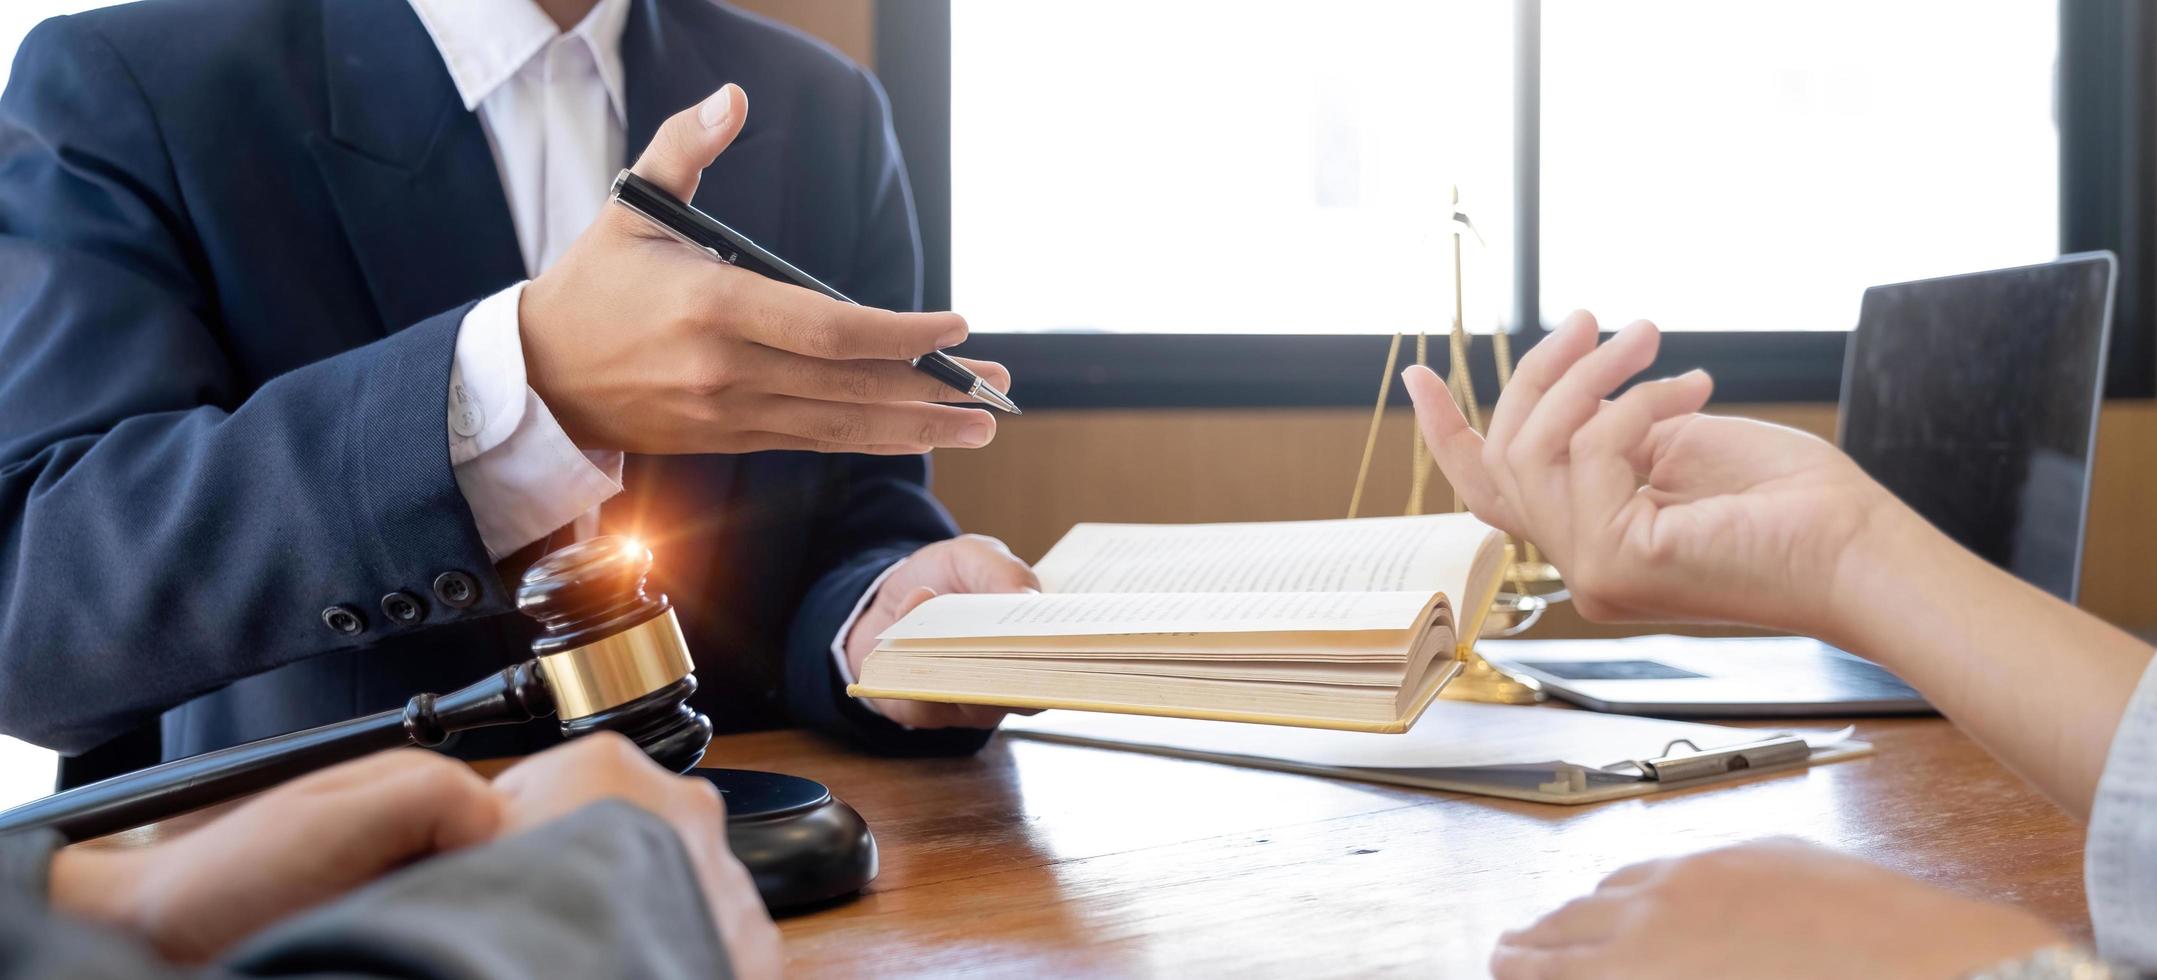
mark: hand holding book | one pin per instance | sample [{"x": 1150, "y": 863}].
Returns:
[
  {"x": 970, "y": 563},
  {"x": 1333, "y": 624}
]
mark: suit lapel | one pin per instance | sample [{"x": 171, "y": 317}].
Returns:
[
  {"x": 410, "y": 171},
  {"x": 671, "y": 60},
  {"x": 663, "y": 73},
  {"x": 671, "y": 63}
]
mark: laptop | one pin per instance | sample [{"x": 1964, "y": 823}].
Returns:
[{"x": 1973, "y": 398}]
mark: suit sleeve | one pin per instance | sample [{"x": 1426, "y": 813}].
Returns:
[
  {"x": 160, "y": 534},
  {"x": 874, "y": 510}
]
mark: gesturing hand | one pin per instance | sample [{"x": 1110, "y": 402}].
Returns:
[
  {"x": 969, "y": 563},
  {"x": 1770, "y": 909},
  {"x": 639, "y": 343},
  {"x": 290, "y": 849},
  {"x": 1651, "y": 510},
  {"x": 604, "y": 765}
]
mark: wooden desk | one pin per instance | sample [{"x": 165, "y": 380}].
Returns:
[{"x": 1038, "y": 859}]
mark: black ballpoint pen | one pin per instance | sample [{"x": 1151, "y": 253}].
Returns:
[{"x": 707, "y": 234}]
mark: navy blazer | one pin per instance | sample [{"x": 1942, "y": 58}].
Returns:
[{"x": 237, "y": 238}]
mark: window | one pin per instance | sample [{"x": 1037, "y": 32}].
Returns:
[
  {"x": 26, "y": 771},
  {"x": 1222, "y": 166},
  {"x": 1270, "y": 167},
  {"x": 1113, "y": 190},
  {"x": 1754, "y": 166},
  {"x": 17, "y": 17}
]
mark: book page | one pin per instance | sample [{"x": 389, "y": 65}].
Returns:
[
  {"x": 1385, "y": 676},
  {"x": 1342, "y": 646},
  {"x": 1425, "y": 554},
  {"x": 1047, "y": 614}
]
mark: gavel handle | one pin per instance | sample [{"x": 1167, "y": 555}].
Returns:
[
  {"x": 198, "y": 781},
  {"x": 516, "y": 694}
]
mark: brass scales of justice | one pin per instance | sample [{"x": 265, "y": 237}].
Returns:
[{"x": 1535, "y": 583}]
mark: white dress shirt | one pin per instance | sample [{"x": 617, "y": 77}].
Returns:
[{"x": 551, "y": 103}]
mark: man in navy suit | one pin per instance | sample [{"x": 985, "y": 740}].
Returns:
[{"x": 314, "y": 328}]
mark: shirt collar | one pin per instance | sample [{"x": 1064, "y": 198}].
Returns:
[{"x": 485, "y": 42}]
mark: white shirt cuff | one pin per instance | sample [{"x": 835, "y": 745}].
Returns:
[
  {"x": 519, "y": 472},
  {"x": 838, "y": 643}
]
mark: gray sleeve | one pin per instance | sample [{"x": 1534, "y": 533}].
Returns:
[
  {"x": 35, "y": 943},
  {"x": 604, "y": 892},
  {"x": 26, "y": 864},
  {"x": 2121, "y": 861},
  {"x": 607, "y": 891}
]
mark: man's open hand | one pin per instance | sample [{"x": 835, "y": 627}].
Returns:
[{"x": 641, "y": 344}]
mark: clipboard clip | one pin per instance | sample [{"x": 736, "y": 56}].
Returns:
[{"x": 1674, "y": 765}]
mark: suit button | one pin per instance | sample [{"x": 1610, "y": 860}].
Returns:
[
  {"x": 344, "y": 620},
  {"x": 456, "y": 589},
  {"x": 402, "y": 607}
]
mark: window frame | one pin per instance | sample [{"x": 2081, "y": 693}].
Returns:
[{"x": 2104, "y": 113}]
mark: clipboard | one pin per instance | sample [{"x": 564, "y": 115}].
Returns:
[{"x": 1538, "y": 754}]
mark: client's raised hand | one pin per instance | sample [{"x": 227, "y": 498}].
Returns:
[{"x": 1651, "y": 510}]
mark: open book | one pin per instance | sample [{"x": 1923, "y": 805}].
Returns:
[{"x": 1350, "y": 624}]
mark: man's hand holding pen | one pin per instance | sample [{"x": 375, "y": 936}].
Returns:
[{"x": 637, "y": 343}]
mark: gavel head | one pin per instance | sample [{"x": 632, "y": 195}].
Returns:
[{"x": 612, "y": 655}]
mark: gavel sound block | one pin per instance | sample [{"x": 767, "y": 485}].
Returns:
[{"x": 610, "y": 657}]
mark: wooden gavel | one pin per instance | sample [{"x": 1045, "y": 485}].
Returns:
[{"x": 610, "y": 658}]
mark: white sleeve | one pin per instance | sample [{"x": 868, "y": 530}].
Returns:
[
  {"x": 2120, "y": 861},
  {"x": 520, "y": 473}
]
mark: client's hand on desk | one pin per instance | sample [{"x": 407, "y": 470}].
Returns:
[
  {"x": 294, "y": 847},
  {"x": 637, "y": 342},
  {"x": 604, "y": 765},
  {"x": 316, "y": 838},
  {"x": 1776, "y": 908},
  {"x": 1651, "y": 510},
  {"x": 968, "y": 563}
]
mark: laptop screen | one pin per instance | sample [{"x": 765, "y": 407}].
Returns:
[{"x": 1974, "y": 398}]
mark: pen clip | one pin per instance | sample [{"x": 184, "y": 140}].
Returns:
[
  {"x": 1674, "y": 766},
  {"x": 614, "y": 194}
]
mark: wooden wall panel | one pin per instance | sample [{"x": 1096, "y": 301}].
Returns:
[
  {"x": 2119, "y": 567},
  {"x": 1049, "y": 470},
  {"x": 849, "y": 25}
]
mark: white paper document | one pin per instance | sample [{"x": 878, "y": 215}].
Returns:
[{"x": 1546, "y": 754}]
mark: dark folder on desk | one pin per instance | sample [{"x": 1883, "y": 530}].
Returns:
[{"x": 1540, "y": 754}]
